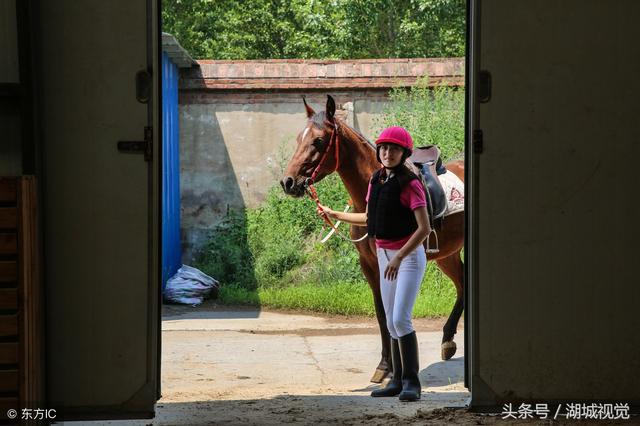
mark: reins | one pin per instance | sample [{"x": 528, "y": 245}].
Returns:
[{"x": 334, "y": 139}]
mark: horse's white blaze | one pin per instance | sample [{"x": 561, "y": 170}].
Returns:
[{"x": 304, "y": 134}]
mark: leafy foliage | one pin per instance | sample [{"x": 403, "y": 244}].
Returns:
[
  {"x": 403, "y": 29},
  {"x": 329, "y": 29},
  {"x": 433, "y": 116},
  {"x": 227, "y": 256},
  {"x": 277, "y": 244}
]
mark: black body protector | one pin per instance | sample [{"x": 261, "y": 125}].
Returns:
[{"x": 388, "y": 219}]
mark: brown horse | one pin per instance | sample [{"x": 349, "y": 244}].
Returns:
[{"x": 356, "y": 162}]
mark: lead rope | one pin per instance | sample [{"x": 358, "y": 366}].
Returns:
[
  {"x": 334, "y": 229},
  {"x": 313, "y": 194}
]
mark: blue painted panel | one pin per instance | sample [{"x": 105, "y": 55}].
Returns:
[{"x": 171, "y": 250}]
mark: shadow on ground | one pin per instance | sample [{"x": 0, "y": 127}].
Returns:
[
  {"x": 443, "y": 373},
  {"x": 209, "y": 309},
  {"x": 298, "y": 409}
]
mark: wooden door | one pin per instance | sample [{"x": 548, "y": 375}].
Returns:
[
  {"x": 100, "y": 206},
  {"x": 554, "y": 216}
]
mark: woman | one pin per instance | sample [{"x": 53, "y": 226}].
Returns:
[{"x": 396, "y": 216}]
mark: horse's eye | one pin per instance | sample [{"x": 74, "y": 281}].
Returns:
[{"x": 317, "y": 142}]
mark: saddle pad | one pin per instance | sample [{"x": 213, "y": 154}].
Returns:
[{"x": 454, "y": 192}]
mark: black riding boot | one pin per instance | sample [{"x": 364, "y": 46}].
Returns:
[
  {"x": 410, "y": 367},
  {"x": 394, "y": 387}
]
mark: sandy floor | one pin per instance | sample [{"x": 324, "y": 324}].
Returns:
[{"x": 256, "y": 367}]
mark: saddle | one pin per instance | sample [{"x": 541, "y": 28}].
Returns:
[{"x": 427, "y": 160}]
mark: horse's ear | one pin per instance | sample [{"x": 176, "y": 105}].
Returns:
[
  {"x": 331, "y": 108},
  {"x": 310, "y": 110}
]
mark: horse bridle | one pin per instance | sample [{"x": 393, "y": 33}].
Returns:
[
  {"x": 334, "y": 140},
  {"x": 308, "y": 183}
]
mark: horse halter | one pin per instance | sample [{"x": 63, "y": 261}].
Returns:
[
  {"x": 308, "y": 183},
  {"x": 334, "y": 141}
]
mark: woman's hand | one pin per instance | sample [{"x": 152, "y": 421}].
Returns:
[
  {"x": 391, "y": 271},
  {"x": 358, "y": 219},
  {"x": 324, "y": 210}
]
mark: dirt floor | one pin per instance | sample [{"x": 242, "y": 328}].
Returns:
[{"x": 238, "y": 366}]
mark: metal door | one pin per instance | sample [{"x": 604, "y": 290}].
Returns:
[
  {"x": 553, "y": 219},
  {"x": 100, "y": 205}
]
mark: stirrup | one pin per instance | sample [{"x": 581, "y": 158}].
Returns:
[{"x": 430, "y": 250}]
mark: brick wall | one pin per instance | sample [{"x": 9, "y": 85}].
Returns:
[{"x": 297, "y": 74}]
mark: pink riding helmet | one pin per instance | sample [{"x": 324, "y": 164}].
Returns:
[{"x": 396, "y": 135}]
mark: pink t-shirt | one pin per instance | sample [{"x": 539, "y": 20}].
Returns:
[{"x": 412, "y": 196}]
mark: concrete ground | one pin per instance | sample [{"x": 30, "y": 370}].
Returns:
[
  {"x": 222, "y": 366},
  {"x": 261, "y": 367}
]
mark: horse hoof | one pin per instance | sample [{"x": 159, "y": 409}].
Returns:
[
  {"x": 379, "y": 375},
  {"x": 448, "y": 350}
]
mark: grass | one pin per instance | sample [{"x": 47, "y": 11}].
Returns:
[{"x": 436, "y": 298}]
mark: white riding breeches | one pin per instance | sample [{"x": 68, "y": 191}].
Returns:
[{"x": 399, "y": 296}]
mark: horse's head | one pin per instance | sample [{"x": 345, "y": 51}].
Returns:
[{"x": 312, "y": 144}]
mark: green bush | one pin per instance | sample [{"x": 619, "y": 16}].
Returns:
[
  {"x": 227, "y": 256},
  {"x": 433, "y": 116}
]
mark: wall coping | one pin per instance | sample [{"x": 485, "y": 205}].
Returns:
[
  {"x": 309, "y": 74},
  {"x": 176, "y": 52}
]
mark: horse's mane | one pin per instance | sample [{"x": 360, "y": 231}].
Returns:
[
  {"x": 357, "y": 132},
  {"x": 318, "y": 121}
]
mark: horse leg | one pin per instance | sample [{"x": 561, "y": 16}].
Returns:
[
  {"x": 372, "y": 274},
  {"x": 452, "y": 267}
]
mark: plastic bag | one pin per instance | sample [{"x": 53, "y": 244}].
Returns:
[{"x": 190, "y": 286}]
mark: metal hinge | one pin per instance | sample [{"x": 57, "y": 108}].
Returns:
[{"x": 139, "y": 147}]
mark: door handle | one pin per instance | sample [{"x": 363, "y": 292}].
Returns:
[
  {"x": 484, "y": 86},
  {"x": 143, "y": 86},
  {"x": 139, "y": 147}
]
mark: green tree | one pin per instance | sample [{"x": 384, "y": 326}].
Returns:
[
  {"x": 332, "y": 29},
  {"x": 403, "y": 28}
]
